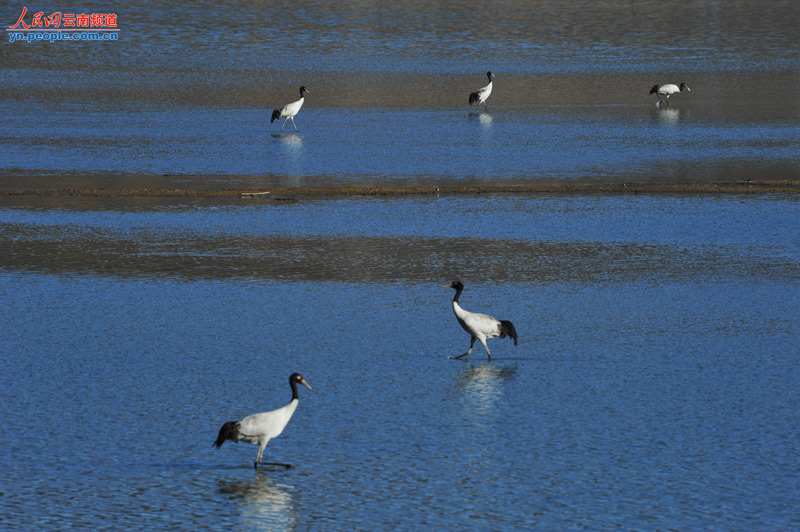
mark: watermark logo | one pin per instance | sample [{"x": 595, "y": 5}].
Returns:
[{"x": 60, "y": 26}]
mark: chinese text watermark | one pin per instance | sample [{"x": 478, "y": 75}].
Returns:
[{"x": 60, "y": 26}]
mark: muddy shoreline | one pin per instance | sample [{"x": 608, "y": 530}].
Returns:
[{"x": 298, "y": 192}]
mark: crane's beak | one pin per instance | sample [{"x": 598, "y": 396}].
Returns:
[
  {"x": 448, "y": 285},
  {"x": 304, "y": 383}
]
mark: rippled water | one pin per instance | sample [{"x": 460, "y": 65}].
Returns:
[
  {"x": 654, "y": 385},
  {"x": 518, "y": 238},
  {"x": 189, "y": 91},
  {"x": 655, "y": 382},
  {"x": 639, "y": 143}
]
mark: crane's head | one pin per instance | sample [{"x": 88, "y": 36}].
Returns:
[
  {"x": 304, "y": 90},
  {"x": 297, "y": 378},
  {"x": 490, "y": 75},
  {"x": 455, "y": 285},
  {"x": 685, "y": 87}
]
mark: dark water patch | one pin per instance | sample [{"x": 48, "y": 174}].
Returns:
[
  {"x": 372, "y": 259},
  {"x": 283, "y": 193}
]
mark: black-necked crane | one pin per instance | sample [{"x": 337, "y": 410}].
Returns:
[
  {"x": 480, "y": 95},
  {"x": 289, "y": 110},
  {"x": 479, "y": 326},
  {"x": 258, "y": 429},
  {"x": 668, "y": 90}
]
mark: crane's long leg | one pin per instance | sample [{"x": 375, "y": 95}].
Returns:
[
  {"x": 284, "y": 122},
  {"x": 295, "y": 125},
  {"x": 471, "y": 343},
  {"x": 483, "y": 341},
  {"x": 261, "y": 446}
]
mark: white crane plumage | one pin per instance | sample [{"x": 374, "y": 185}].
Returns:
[
  {"x": 480, "y": 95},
  {"x": 668, "y": 90},
  {"x": 479, "y": 326},
  {"x": 258, "y": 429},
  {"x": 289, "y": 110}
]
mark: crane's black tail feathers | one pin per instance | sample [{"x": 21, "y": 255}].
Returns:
[
  {"x": 654, "y": 89},
  {"x": 275, "y": 115},
  {"x": 229, "y": 431},
  {"x": 473, "y": 98},
  {"x": 507, "y": 329}
]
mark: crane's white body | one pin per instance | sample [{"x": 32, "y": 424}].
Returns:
[
  {"x": 668, "y": 90},
  {"x": 260, "y": 428},
  {"x": 479, "y": 326},
  {"x": 290, "y": 110},
  {"x": 481, "y": 95}
]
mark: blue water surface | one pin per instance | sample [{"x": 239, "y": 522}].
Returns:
[
  {"x": 654, "y": 386},
  {"x": 641, "y": 395},
  {"x": 380, "y": 145}
]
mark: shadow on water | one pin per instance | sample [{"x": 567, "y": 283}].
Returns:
[
  {"x": 262, "y": 502},
  {"x": 480, "y": 115},
  {"x": 669, "y": 117},
  {"x": 292, "y": 143},
  {"x": 482, "y": 118},
  {"x": 288, "y": 139},
  {"x": 482, "y": 384}
]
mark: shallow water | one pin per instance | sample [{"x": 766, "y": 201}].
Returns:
[
  {"x": 655, "y": 382},
  {"x": 389, "y": 87},
  {"x": 654, "y": 385},
  {"x": 507, "y": 145},
  {"x": 492, "y": 239}
]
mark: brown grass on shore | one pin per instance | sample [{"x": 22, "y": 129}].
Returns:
[{"x": 283, "y": 192}]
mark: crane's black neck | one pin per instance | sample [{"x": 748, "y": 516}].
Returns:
[
  {"x": 293, "y": 384},
  {"x": 459, "y": 288}
]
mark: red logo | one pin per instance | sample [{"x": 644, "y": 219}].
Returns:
[{"x": 53, "y": 27}]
